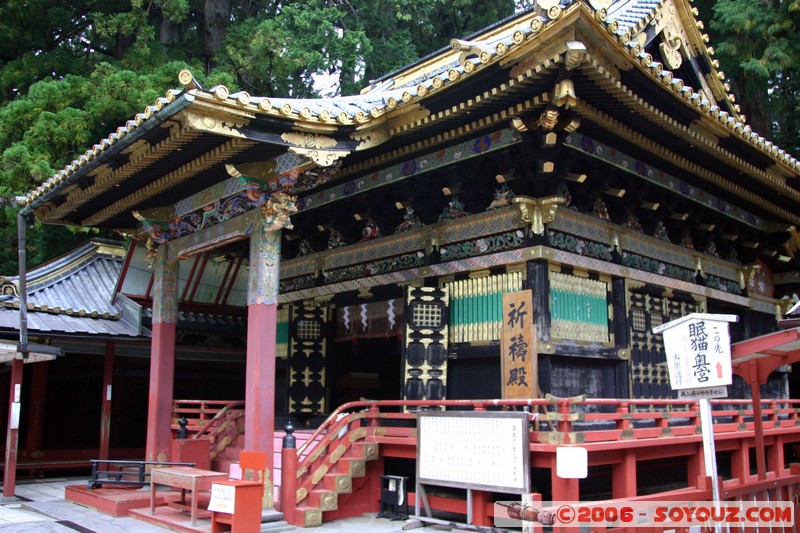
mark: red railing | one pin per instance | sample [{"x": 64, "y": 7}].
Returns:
[
  {"x": 216, "y": 420},
  {"x": 616, "y": 433}
]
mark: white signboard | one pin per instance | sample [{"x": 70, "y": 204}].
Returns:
[
  {"x": 700, "y": 394},
  {"x": 223, "y": 498},
  {"x": 475, "y": 450},
  {"x": 698, "y": 348}
]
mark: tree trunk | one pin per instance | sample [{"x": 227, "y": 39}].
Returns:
[
  {"x": 217, "y": 16},
  {"x": 169, "y": 33},
  {"x": 755, "y": 110}
]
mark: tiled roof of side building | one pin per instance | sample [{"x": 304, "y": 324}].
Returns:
[{"x": 71, "y": 294}]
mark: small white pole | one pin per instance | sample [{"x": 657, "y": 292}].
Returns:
[{"x": 709, "y": 452}]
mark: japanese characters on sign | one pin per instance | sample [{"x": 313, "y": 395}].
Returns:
[
  {"x": 477, "y": 450},
  {"x": 518, "y": 346},
  {"x": 698, "y": 350}
]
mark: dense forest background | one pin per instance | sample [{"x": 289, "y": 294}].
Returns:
[{"x": 71, "y": 72}]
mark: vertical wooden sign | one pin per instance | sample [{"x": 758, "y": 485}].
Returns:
[{"x": 518, "y": 344}]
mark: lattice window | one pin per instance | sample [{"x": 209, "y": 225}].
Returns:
[
  {"x": 425, "y": 315},
  {"x": 656, "y": 319},
  {"x": 638, "y": 320},
  {"x": 308, "y": 330}
]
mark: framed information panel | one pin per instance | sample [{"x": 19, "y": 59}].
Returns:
[{"x": 484, "y": 450}]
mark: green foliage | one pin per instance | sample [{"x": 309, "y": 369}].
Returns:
[
  {"x": 72, "y": 72},
  {"x": 759, "y": 50}
]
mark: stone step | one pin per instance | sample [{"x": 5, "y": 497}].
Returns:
[
  {"x": 326, "y": 500},
  {"x": 339, "y": 483},
  {"x": 309, "y": 516},
  {"x": 276, "y": 527},
  {"x": 352, "y": 466}
]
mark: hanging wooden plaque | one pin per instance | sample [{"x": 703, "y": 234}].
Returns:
[{"x": 518, "y": 344}]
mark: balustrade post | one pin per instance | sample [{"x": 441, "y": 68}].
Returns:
[
  {"x": 624, "y": 422},
  {"x": 564, "y": 422},
  {"x": 373, "y": 413},
  {"x": 289, "y": 475}
]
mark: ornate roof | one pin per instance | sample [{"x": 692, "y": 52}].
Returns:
[{"x": 638, "y": 70}]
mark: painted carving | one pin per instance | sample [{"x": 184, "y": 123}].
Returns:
[
  {"x": 335, "y": 240},
  {"x": 454, "y": 209},
  {"x": 278, "y": 210},
  {"x": 599, "y": 209},
  {"x": 370, "y": 231},
  {"x": 711, "y": 249},
  {"x": 315, "y": 177},
  {"x": 632, "y": 222},
  {"x": 661, "y": 232},
  {"x": 503, "y": 196},
  {"x": 410, "y": 221},
  {"x": 305, "y": 248},
  {"x": 152, "y": 250},
  {"x": 562, "y": 189},
  {"x": 210, "y": 214}
]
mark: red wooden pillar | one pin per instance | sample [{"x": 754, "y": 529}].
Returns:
[
  {"x": 479, "y": 516},
  {"x": 12, "y": 434},
  {"x": 105, "y": 410},
  {"x": 40, "y": 373},
  {"x": 563, "y": 490},
  {"x": 775, "y": 459},
  {"x": 162, "y": 357},
  {"x": 740, "y": 461},
  {"x": 695, "y": 467},
  {"x": 758, "y": 423},
  {"x": 262, "y": 323},
  {"x": 623, "y": 476}
]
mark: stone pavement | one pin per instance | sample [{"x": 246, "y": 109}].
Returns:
[{"x": 40, "y": 508}]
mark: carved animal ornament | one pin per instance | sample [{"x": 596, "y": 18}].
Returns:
[{"x": 278, "y": 210}]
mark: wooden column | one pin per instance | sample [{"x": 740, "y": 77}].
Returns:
[
  {"x": 262, "y": 322},
  {"x": 162, "y": 357},
  {"x": 623, "y": 476},
  {"x": 105, "y": 410},
  {"x": 38, "y": 403},
  {"x": 12, "y": 434}
]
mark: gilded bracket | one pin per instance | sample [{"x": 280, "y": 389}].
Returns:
[
  {"x": 539, "y": 211},
  {"x": 323, "y": 158}
]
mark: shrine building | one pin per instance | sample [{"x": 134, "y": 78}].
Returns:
[{"x": 357, "y": 248}]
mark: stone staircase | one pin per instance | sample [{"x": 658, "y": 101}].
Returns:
[
  {"x": 326, "y": 469},
  {"x": 320, "y": 491},
  {"x": 339, "y": 466}
]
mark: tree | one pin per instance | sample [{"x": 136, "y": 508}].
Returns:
[
  {"x": 71, "y": 72},
  {"x": 759, "y": 50}
]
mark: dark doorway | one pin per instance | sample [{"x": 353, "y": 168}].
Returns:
[{"x": 365, "y": 368}]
